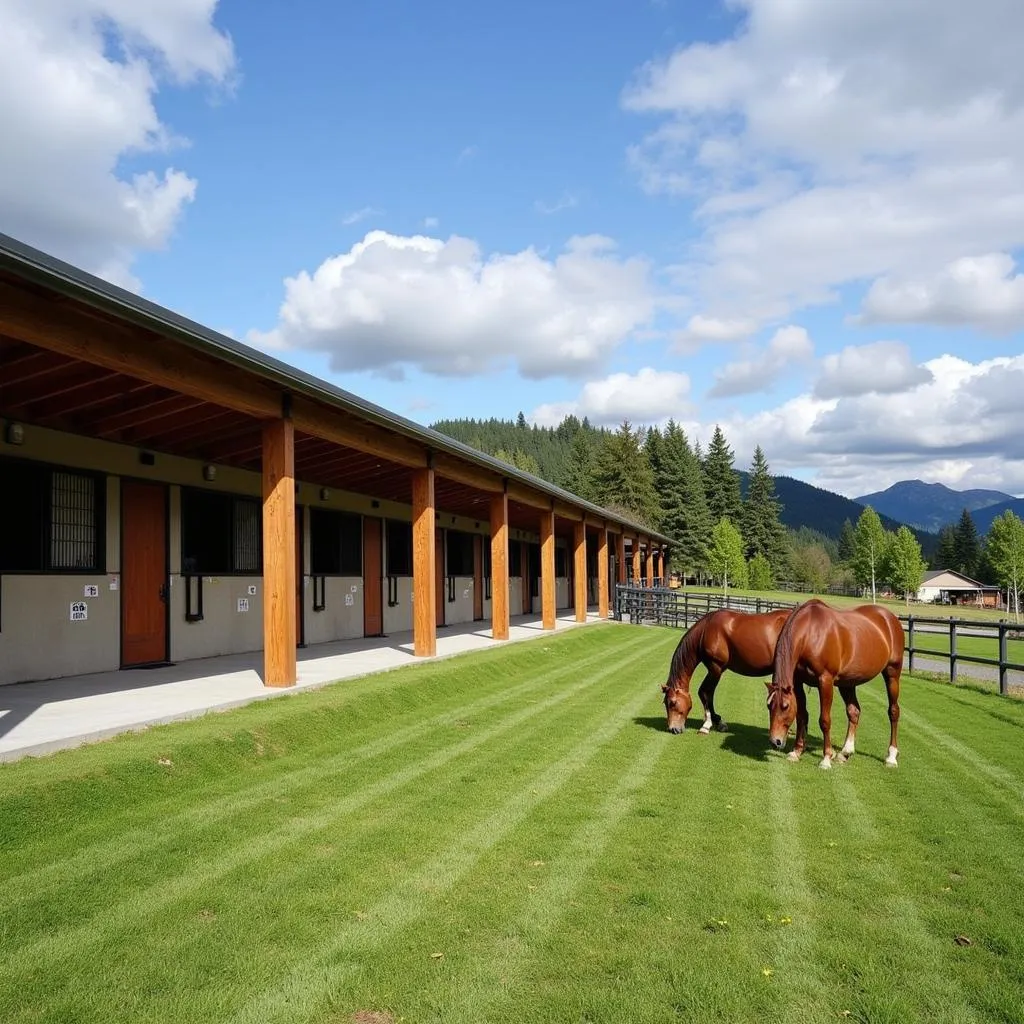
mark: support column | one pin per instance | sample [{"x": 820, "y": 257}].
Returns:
[
  {"x": 424, "y": 564},
  {"x": 650, "y": 564},
  {"x": 279, "y": 568},
  {"x": 602, "y": 573},
  {"x": 499, "y": 567},
  {"x": 579, "y": 570},
  {"x": 547, "y": 569},
  {"x": 621, "y": 569},
  {"x": 636, "y": 561}
]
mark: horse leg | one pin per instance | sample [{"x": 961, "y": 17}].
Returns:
[
  {"x": 849, "y": 695},
  {"x": 707, "y": 698},
  {"x": 802, "y": 719},
  {"x": 892, "y": 688},
  {"x": 825, "y": 720}
]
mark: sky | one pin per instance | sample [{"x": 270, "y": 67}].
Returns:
[{"x": 802, "y": 221}]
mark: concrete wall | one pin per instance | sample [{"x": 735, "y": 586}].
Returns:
[
  {"x": 563, "y": 594},
  {"x": 515, "y": 595},
  {"x": 224, "y": 628},
  {"x": 461, "y": 609},
  {"x": 399, "y": 618},
  {"x": 338, "y": 620}
]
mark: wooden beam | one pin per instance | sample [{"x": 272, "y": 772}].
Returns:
[
  {"x": 650, "y": 564},
  {"x": 279, "y": 569},
  {"x": 424, "y": 624},
  {"x": 452, "y": 468},
  {"x": 547, "y": 569},
  {"x": 331, "y": 425},
  {"x": 566, "y": 511},
  {"x": 579, "y": 570},
  {"x": 143, "y": 412},
  {"x": 499, "y": 567},
  {"x": 636, "y": 559},
  {"x": 602, "y": 574},
  {"x": 79, "y": 333},
  {"x": 527, "y": 496},
  {"x": 620, "y": 558}
]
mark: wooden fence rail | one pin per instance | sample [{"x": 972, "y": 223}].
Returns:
[{"x": 680, "y": 609}]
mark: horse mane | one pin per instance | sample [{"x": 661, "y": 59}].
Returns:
[
  {"x": 688, "y": 651},
  {"x": 785, "y": 652}
]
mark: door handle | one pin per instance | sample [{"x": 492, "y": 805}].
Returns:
[{"x": 163, "y": 592}]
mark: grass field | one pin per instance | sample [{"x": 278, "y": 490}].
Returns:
[{"x": 512, "y": 836}]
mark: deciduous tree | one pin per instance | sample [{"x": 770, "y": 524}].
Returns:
[
  {"x": 726, "y": 559},
  {"x": 870, "y": 542},
  {"x": 1005, "y": 546}
]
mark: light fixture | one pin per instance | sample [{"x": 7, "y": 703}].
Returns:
[
  {"x": 15, "y": 433},
  {"x": 147, "y": 459},
  {"x": 375, "y": 503},
  {"x": 209, "y": 472},
  {"x": 324, "y": 494}
]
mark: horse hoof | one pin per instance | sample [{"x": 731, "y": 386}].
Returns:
[
  {"x": 890, "y": 764},
  {"x": 792, "y": 756},
  {"x": 722, "y": 726},
  {"x": 704, "y": 730},
  {"x": 825, "y": 764},
  {"x": 842, "y": 758}
]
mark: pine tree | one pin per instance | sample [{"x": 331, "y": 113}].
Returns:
[
  {"x": 967, "y": 548},
  {"x": 904, "y": 564},
  {"x": 846, "y": 544},
  {"x": 684, "y": 510},
  {"x": 521, "y": 421},
  {"x": 721, "y": 482},
  {"x": 623, "y": 480},
  {"x": 870, "y": 542},
  {"x": 763, "y": 533},
  {"x": 579, "y": 465},
  {"x": 726, "y": 559},
  {"x": 759, "y": 573}
]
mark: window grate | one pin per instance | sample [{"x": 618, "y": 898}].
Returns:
[
  {"x": 73, "y": 525},
  {"x": 247, "y": 537}
]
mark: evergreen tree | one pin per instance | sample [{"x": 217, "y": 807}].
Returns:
[
  {"x": 623, "y": 480},
  {"x": 846, "y": 544},
  {"x": 579, "y": 465},
  {"x": 721, "y": 482},
  {"x": 521, "y": 421},
  {"x": 763, "y": 533},
  {"x": 1005, "y": 548},
  {"x": 684, "y": 510},
  {"x": 870, "y": 542},
  {"x": 905, "y": 566},
  {"x": 520, "y": 459},
  {"x": 725, "y": 558},
  {"x": 945, "y": 555},
  {"x": 759, "y": 573},
  {"x": 967, "y": 547}
]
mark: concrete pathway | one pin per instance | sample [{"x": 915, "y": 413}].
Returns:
[{"x": 36, "y": 718}]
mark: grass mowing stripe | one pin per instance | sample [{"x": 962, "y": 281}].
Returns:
[
  {"x": 98, "y": 857},
  {"x": 123, "y": 914},
  {"x": 547, "y": 904},
  {"x": 304, "y": 987}
]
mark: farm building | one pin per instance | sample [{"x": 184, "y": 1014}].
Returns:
[
  {"x": 169, "y": 494},
  {"x": 945, "y": 586}
]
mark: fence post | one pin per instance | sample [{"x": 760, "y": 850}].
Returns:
[
  {"x": 952, "y": 650},
  {"x": 1004, "y": 688},
  {"x": 910, "y": 643}
]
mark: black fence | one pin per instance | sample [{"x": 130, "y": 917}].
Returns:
[{"x": 681, "y": 608}]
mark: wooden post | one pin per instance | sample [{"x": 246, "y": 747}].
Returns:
[
  {"x": 650, "y": 564},
  {"x": 620, "y": 557},
  {"x": 424, "y": 623},
  {"x": 547, "y": 569},
  {"x": 602, "y": 573},
  {"x": 499, "y": 567},
  {"x": 279, "y": 569},
  {"x": 579, "y": 570},
  {"x": 636, "y": 560}
]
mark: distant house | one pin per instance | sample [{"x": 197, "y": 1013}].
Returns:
[{"x": 946, "y": 586}]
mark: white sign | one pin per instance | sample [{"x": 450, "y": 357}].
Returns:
[
  {"x": 90, "y": 590},
  {"x": 252, "y": 589},
  {"x": 243, "y": 604},
  {"x": 354, "y": 588},
  {"x": 79, "y": 611},
  {"x": 349, "y": 599},
  {"x": 113, "y": 582}
]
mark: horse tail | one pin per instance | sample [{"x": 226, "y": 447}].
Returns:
[{"x": 689, "y": 651}]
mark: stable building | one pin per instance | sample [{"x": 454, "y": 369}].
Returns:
[
  {"x": 167, "y": 493},
  {"x": 947, "y": 586}
]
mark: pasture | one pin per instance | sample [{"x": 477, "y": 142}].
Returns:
[{"x": 513, "y": 836}]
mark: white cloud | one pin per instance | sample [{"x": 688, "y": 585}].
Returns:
[
  {"x": 648, "y": 396},
  {"x": 357, "y": 215},
  {"x": 700, "y": 330},
  {"x": 880, "y": 367},
  {"x": 392, "y": 302},
  {"x": 431, "y": 222},
  {"x": 78, "y": 82},
  {"x": 788, "y": 345},
  {"x": 565, "y": 202},
  {"x": 961, "y": 427},
  {"x": 834, "y": 143},
  {"x": 981, "y": 292}
]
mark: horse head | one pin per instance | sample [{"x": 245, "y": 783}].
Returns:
[
  {"x": 677, "y": 706},
  {"x": 781, "y": 711}
]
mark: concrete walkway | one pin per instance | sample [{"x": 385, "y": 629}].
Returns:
[{"x": 36, "y": 718}]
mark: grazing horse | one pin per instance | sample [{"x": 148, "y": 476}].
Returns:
[
  {"x": 826, "y": 647},
  {"x": 723, "y": 639}
]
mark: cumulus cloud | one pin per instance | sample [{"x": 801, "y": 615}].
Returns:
[
  {"x": 880, "y": 367},
  {"x": 78, "y": 83},
  {"x": 648, "y": 396},
  {"x": 833, "y": 143},
  {"x": 961, "y": 427},
  {"x": 701, "y": 330},
  {"x": 747, "y": 376},
  {"x": 981, "y": 292},
  {"x": 393, "y": 302}
]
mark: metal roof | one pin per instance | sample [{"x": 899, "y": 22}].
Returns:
[{"x": 33, "y": 264}]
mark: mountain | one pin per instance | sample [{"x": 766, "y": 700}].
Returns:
[
  {"x": 930, "y": 506},
  {"x": 983, "y": 516}
]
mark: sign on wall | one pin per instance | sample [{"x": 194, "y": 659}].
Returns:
[
  {"x": 91, "y": 590},
  {"x": 79, "y": 611},
  {"x": 243, "y": 604}
]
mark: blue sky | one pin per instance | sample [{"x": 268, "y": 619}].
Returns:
[{"x": 801, "y": 221}]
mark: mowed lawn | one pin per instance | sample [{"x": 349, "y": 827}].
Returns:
[{"x": 513, "y": 836}]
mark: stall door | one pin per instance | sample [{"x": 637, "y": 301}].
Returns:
[
  {"x": 144, "y": 580},
  {"x": 373, "y": 605}
]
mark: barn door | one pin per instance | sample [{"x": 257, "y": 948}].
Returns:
[{"x": 144, "y": 577}]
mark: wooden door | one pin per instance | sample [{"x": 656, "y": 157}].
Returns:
[
  {"x": 373, "y": 604},
  {"x": 440, "y": 594},
  {"x": 524, "y": 553},
  {"x": 478, "y": 578},
  {"x": 300, "y": 569},
  {"x": 144, "y": 582}
]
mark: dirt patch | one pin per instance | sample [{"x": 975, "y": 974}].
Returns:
[{"x": 372, "y": 1017}]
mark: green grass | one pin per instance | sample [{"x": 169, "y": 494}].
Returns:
[{"x": 512, "y": 836}]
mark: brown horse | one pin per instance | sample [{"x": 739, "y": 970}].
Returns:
[
  {"x": 723, "y": 639},
  {"x": 824, "y": 647}
]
